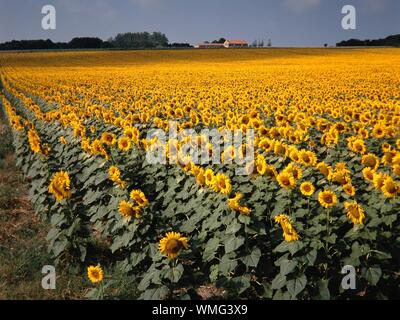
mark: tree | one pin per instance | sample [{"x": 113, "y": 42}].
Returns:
[{"x": 269, "y": 43}]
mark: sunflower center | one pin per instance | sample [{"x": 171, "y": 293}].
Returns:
[{"x": 173, "y": 246}]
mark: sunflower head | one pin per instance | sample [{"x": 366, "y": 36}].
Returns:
[
  {"x": 95, "y": 274},
  {"x": 172, "y": 244},
  {"x": 390, "y": 188},
  {"x": 286, "y": 180},
  {"x": 368, "y": 174},
  {"x": 139, "y": 197},
  {"x": 60, "y": 186},
  {"x": 370, "y": 160},
  {"x": 307, "y": 188},
  {"x": 327, "y": 198},
  {"x": 108, "y": 138},
  {"x": 289, "y": 232},
  {"x": 128, "y": 211},
  {"x": 354, "y": 212},
  {"x": 124, "y": 144}
]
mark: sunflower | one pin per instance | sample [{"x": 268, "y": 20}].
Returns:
[
  {"x": 358, "y": 146},
  {"x": 172, "y": 244},
  {"x": 139, "y": 197},
  {"x": 128, "y": 211},
  {"x": 308, "y": 158},
  {"x": 222, "y": 184},
  {"x": 210, "y": 178},
  {"x": 368, "y": 174},
  {"x": 234, "y": 204},
  {"x": 349, "y": 189},
  {"x": 390, "y": 188},
  {"x": 378, "y": 131},
  {"x": 261, "y": 165},
  {"x": 34, "y": 141},
  {"x": 115, "y": 176},
  {"x": 124, "y": 144},
  {"x": 200, "y": 177},
  {"x": 286, "y": 180},
  {"x": 108, "y": 138},
  {"x": 370, "y": 160},
  {"x": 60, "y": 186},
  {"x": 294, "y": 170},
  {"x": 270, "y": 171},
  {"x": 396, "y": 169},
  {"x": 327, "y": 198},
  {"x": 307, "y": 188},
  {"x": 354, "y": 212},
  {"x": 95, "y": 274},
  {"x": 266, "y": 144},
  {"x": 289, "y": 232},
  {"x": 323, "y": 168},
  {"x": 378, "y": 180}
]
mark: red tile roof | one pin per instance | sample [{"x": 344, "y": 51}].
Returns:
[{"x": 237, "y": 41}]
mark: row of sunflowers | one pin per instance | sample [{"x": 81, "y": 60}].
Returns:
[{"x": 319, "y": 192}]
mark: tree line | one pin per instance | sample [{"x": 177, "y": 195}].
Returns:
[
  {"x": 391, "y": 41},
  {"x": 130, "y": 40}
]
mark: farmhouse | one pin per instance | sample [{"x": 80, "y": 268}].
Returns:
[
  {"x": 236, "y": 44},
  {"x": 205, "y": 45},
  {"x": 226, "y": 44}
]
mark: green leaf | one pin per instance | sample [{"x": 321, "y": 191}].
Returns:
[
  {"x": 287, "y": 266},
  {"x": 241, "y": 284},
  {"x": 323, "y": 290},
  {"x": 214, "y": 273},
  {"x": 174, "y": 273},
  {"x": 233, "y": 227},
  {"x": 227, "y": 265},
  {"x": 278, "y": 282},
  {"x": 295, "y": 286},
  {"x": 372, "y": 275},
  {"x": 211, "y": 248},
  {"x": 159, "y": 293},
  {"x": 253, "y": 258},
  {"x": 233, "y": 243}
]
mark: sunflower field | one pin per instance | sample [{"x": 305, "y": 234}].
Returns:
[{"x": 320, "y": 191}]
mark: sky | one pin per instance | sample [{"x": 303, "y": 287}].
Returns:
[{"x": 285, "y": 22}]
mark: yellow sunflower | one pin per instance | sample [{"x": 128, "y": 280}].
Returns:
[
  {"x": 172, "y": 244},
  {"x": 289, "y": 232},
  {"x": 327, "y": 198},
  {"x": 370, "y": 160},
  {"x": 222, "y": 184},
  {"x": 349, "y": 189},
  {"x": 124, "y": 144},
  {"x": 128, "y": 211},
  {"x": 34, "y": 141},
  {"x": 108, "y": 138},
  {"x": 354, "y": 212},
  {"x": 209, "y": 177},
  {"x": 139, "y": 197},
  {"x": 390, "y": 188},
  {"x": 234, "y": 204},
  {"x": 307, "y": 188},
  {"x": 95, "y": 274},
  {"x": 368, "y": 174},
  {"x": 286, "y": 180},
  {"x": 60, "y": 186}
]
